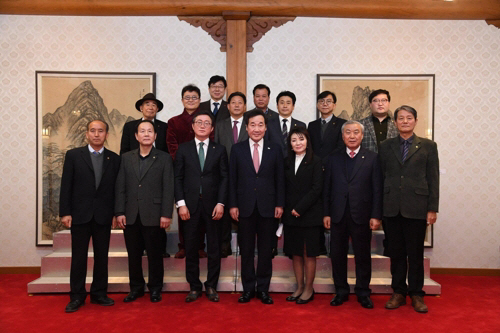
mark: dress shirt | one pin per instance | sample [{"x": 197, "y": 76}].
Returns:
[
  {"x": 298, "y": 160},
  {"x": 288, "y": 123},
  {"x": 356, "y": 151},
  {"x": 92, "y": 149},
  {"x": 260, "y": 148},
  {"x": 212, "y": 106},
  {"x": 380, "y": 128},
  {"x": 327, "y": 119}
]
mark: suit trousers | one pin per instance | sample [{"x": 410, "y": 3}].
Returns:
[
  {"x": 139, "y": 237},
  {"x": 226, "y": 225},
  {"x": 80, "y": 238},
  {"x": 201, "y": 236},
  {"x": 202, "y": 220},
  {"x": 361, "y": 235},
  {"x": 265, "y": 229},
  {"x": 406, "y": 249}
]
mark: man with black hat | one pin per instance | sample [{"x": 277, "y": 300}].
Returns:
[{"x": 149, "y": 106}]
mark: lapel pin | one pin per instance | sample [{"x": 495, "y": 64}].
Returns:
[
  {"x": 362, "y": 157},
  {"x": 268, "y": 147},
  {"x": 154, "y": 156},
  {"x": 108, "y": 157},
  {"x": 416, "y": 146}
]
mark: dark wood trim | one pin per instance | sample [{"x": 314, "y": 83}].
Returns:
[
  {"x": 21, "y": 270},
  {"x": 466, "y": 271}
]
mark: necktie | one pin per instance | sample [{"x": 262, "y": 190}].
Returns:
[
  {"x": 235, "y": 131},
  {"x": 323, "y": 127},
  {"x": 96, "y": 153},
  {"x": 352, "y": 154},
  {"x": 256, "y": 157},
  {"x": 216, "y": 108},
  {"x": 201, "y": 155},
  {"x": 285, "y": 130},
  {"x": 406, "y": 147}
]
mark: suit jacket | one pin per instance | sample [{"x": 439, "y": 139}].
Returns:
[
  {"x": 275, "y": 130},
  {"x": 410, "y": 188},
  {"x": 224, "y": 133},
  {"x": 303, "y": 192},
  {"x": 370, "y": 139},
  {"x": 189, "y": 178},
  {"x": 152, "y": 195},
  {"x": 363, "y": 188},
  {"x": 248, "y": 188},
  {"x": 223, "y": 112},
  {"x": 79, "y": 197},
  {"x": 129, "y": 142},
  {"x": 270, "y": 113},
  {"x": 332, "y": 138}
]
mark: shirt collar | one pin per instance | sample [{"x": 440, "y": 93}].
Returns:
[
  {"x": 356, "y": 151},
  {"x": 260, "y": 142},
  {"x": 240, "y": 120},
  {"x": 153, "y": 120},
  {"x": 288, "y": 120},
  {"x": 327, "y": 119},
  {"x": 205, "y": 142},
  {"x": 92, "y": 149},
  {"x": 214, "y": 101},
  {"x": 386, "y": 119},
  {"x": 410, "y": 139}
]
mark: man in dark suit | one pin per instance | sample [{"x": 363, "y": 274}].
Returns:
[
  {"x": 228, "y": 132},
  {"x": 149, "y": 106},
  {"x": 353, "y": 208},
  {"x": 216, "y": 105},
  {"x": 86, "y": 205},
  {"x": 325, "y": 132},
  {"x": 279, "y": 127},
  {"x": 261, "y": 97},
  {"x": 256, "y": 198},
  {"x": 201, "y": 181},
  {"x": 144, "y": 205},
  {"x": 410, "y": 165}
]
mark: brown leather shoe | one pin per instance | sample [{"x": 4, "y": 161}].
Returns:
[
  {"x": 202, "y": 254},
  {"x": 395, "y": 301},
  {"x": 418, "y": 304},
  {"x": 180, "y": 254}
]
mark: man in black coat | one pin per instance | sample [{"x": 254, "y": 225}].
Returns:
[
  {"x": 352, "y": 197},
  {"x": 201, "y": 180},
  {"x": 216, "y": 105},
  {"x": 86, "y": 205}
]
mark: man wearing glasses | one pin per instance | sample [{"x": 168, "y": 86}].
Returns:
[
  {"x": 379, "y": 125},
  {"x": 180, "y": 130},
  {"x": 216, "y": 105},
  {"x": 201, "y": 181}
]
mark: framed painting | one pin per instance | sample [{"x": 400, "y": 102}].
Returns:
[
  {"x": 415, "y": 90},
  {"x": 66, "y": 102}
]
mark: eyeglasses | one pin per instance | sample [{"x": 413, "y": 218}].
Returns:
[
  {"x": 217, "y": 87},
  {"x": 191, "y": 98},
  {"x": 383, "y": 101},
  {"x": 200, "y": 123},
  {"x": 325, "y": 101}
]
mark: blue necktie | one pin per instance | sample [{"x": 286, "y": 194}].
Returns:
[
  {"x": 406, "y": 148},
  {"x": 216, "y": 108}
]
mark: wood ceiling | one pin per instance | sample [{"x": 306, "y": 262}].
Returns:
[{"x": 488, "y": 10}]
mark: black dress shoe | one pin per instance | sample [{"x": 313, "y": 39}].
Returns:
[
  {"x": 212, "y": 295},
  {"x": 264, "y": 297},
  {"x": 103, "y": 300},
  {"x": 292, "y": 298},
  {"x": 166, "y": 255},
  {"x": 155, "y": 296},
  {"x": 305, "y": 301},
  {"x": 132, "y": 296},
  {"x": 74, "y": 305},
  {"x": 365, "y": 302},
  {"x": 246, "y": 297},
  {"x": 339, "y": 300},
  {"x": 193, "y": 296}
]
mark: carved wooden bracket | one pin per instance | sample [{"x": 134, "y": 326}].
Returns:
[
  {"x": 496, "y": 23},
  {"x": 215, "y": 26}
]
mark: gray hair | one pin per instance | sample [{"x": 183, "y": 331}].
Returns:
[
  {"x": 351, "y": 122},
  {"x": 405, "y": 108}
]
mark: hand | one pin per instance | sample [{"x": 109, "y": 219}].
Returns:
[
  {"x": 218, "y": 212},
  {"x": 235, "y": 213},
  {"x": 66, "y": 220},
  {"x": 326, "y": 222},
  {"x": 184, "y": 213},
  {"x": 278, "y": 211},
  {"x": 113, "y": 222},
  {"x": 294, "y": 213},
  {"x": 375, "y": 224},
  {"x": 431, "y": 217},
  {"x": 165, "y": 222},
  {"x": 121, "y": 221}
]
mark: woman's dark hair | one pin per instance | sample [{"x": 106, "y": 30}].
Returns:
[{"x": 300, "y": 131}]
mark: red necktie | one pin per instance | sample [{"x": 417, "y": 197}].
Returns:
[
  {"x": 235, "y": 131},
  {"x": 352, "y": 154}
]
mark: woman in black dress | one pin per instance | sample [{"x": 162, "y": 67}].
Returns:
[{"x": 303, "y": 213}]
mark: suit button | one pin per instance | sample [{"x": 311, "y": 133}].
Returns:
[
  {"x": 255, "y": 189},
  {"x": 402, "y": 176},
  {"x": 140, "y": 185}
]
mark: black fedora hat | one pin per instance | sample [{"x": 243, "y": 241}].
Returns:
[{"x": 148, "y": 97}]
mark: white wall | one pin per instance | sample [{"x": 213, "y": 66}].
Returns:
[{"x": 464, "y": 55}]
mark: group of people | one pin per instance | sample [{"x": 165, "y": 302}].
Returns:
[{"x": 223, "y": 165}]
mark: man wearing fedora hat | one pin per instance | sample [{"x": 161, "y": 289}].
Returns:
[{"x": 149, "y": 106}]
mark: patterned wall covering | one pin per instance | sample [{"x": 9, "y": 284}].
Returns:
[{"x": 464, "y": 55}]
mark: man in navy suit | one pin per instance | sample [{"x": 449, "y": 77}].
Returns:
[
  {"x": 353, "y": 208},
  {"x": 279, "y": 127},
  {"x": 256, "y": 198},
  {"x": 201, "y": 180},
  {"x": 86, "y": 206}
]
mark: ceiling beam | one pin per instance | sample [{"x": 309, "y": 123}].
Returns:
[{"x": 386, "y": 9}]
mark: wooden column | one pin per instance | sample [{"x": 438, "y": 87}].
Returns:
[{"x": 236, "y": 51}]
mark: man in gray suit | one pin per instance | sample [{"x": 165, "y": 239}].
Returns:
[
  {"x": 410, "y": 166},
  {"x": 379, "y": 125},
  {"x": 144, "y": 205},
  {"x": 228, "y": 132}
]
